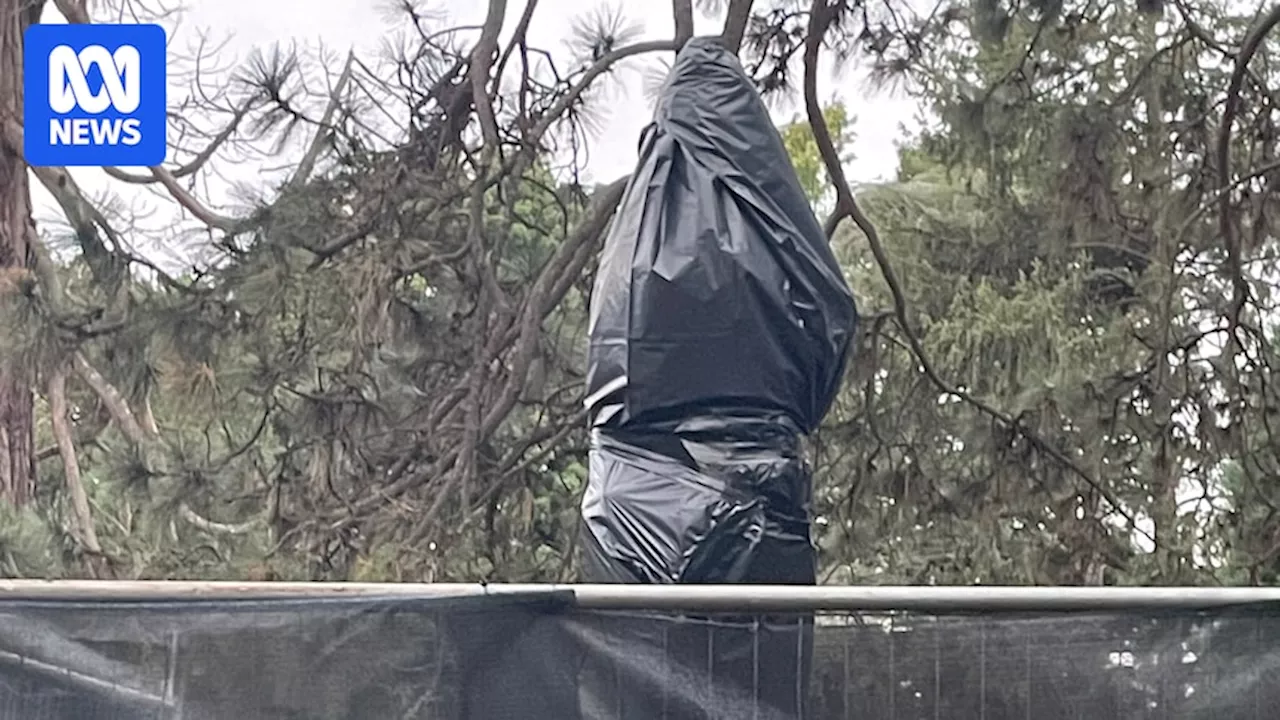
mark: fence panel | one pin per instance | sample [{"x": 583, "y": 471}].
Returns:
[{"x": 540, "y": 656}]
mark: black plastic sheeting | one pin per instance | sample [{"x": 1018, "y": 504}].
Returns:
[
  {"x": 717, "y": 289},
  {"x": 720, "y": 324},
  {"x": 530, "y": 658}
]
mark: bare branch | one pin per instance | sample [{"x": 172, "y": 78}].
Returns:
[
  {"x": 518, "y": 39},
  {"x": 113, "y": 400},
  {"x": 197, "y": 163},
  {"x": 598, "y": 68},
  {"x": 482, "y": 58},
  {"x": 586, "y": 233},
  {"x": 80, "y": 213},
  {"x": 81, "y": 513},
  {"x": 682, "y": 10},
  {"x": 191, "y": 204},
  {"x": 735, "y": 24},
  {"x": 214, "y": 527},
  {"x": 307, "y": 165}
]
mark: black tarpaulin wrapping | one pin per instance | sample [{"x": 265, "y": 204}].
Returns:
[
  {"x": 710, "y": 500},
  {"x": 716, "y": 286},
  {"x": 527, "y": 657},
  {"x": 720, "y": 322},
  {"x": 706, "y": 500}
]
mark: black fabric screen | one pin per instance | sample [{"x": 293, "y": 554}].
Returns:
[{"x": 535, "y": 657}]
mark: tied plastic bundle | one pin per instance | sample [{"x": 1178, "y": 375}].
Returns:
[{"x": 720, "y": 324}]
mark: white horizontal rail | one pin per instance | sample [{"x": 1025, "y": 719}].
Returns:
[{"x": 708, "y": 598}]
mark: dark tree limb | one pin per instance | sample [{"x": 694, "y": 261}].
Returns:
[
  {"x": 519, "y": 38},
  {"x": 1240, "y": 291},
  {"x": 682, "y": 11},
  {"x": 735, "y": 24},
  {"x": 307, "y": 165},
  {"x": 482, "y": 58}
]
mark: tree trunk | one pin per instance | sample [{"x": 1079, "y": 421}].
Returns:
[{"x": 17, "y": 435}]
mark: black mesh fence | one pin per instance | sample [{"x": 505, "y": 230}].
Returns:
[{"x": 536, "y": 657}]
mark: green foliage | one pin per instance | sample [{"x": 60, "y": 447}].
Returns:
[
  {"x": 1050, "y": 233},
  {"x": 797, "y": 137},
  {"x": 28, "y": 547}
]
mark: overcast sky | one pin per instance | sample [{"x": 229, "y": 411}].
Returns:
[{"x": 340, "y": 25}]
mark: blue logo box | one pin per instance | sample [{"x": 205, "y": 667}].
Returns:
[{"x": 94, "y": 95}]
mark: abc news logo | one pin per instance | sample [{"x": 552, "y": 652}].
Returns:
[
  {"x": 95, "y": 95},
  {"x": 69, "y": 89}
]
